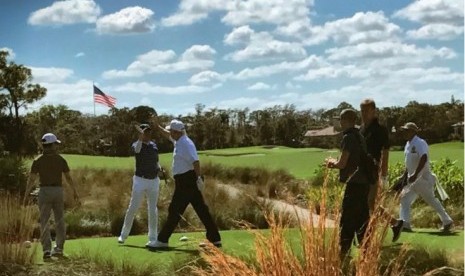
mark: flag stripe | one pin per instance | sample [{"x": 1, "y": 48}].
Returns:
[{"x": 102, "y": 98}]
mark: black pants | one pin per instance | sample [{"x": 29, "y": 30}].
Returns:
[
  {"x": 355, "y": 214},
  {"x": 186, "y": 192}
]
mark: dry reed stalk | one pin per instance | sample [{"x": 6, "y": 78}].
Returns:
[{"x": 16, "y": 227}]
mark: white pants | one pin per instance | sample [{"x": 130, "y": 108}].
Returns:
[
  {"x": 424, "y": 187},
  {"x": 150, "y": 188}
]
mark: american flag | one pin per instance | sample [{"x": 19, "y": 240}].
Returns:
[{"x": 102, "y": 98}]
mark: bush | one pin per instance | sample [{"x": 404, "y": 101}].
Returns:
[
  {"x": 82, "y": 223},
  {"x": 13, "y": 175}
]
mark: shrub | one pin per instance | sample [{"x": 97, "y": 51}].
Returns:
[{"x": 13, "y": 174}]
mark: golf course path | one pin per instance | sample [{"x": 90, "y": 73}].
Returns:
[{"x": 298, "y": 212}]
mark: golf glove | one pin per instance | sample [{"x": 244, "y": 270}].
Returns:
[{"x": 200, "y": 184}]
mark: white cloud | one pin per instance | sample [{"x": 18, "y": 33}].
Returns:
[
  {"x": 335, "y": 71},
  {"x": 260, "y": 86},
  {"x": 191, "y": 11},
  {"x": 292, "y": 86},
  {"x": 206, "y": 78},
  {"x": 129, "y": 20},
  {"x": 286, "y": 67},
  {"x": 261, "y": 46},
  {"x": 436, "y": 31},
  {"x": 433, "y": 12},
  {"x": 146, "y": 88},
  {"x": 80, "y": 54},
  {"x": 50, "y": 74},
  {"x": 66, "y": 12},
  {"x": 384, "y": 50},
  {"x": 276, "y": 12},
  {"x": 11, "y": 53},
  {"x": 361, "y": 27},
  {"x": 196, "y": 58},
  {"x": 76, "y": 95},
  {"x": 441, "y": 19}
]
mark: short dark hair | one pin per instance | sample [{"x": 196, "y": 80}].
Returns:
[
  {"x": 47, "y": 146},
  {"x": 368, "y": 102},
  {"x": 349, "y": 114}
]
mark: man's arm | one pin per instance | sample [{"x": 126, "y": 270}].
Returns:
[
  {"x": 164, "y": 132},
  {"x": 384, "y": 162},
  {"x": 70, "y": 181},
  {"x": 341, "y": 163},
  {"x": 197, "y": 168},
  {"x": 420, "y": 166}
]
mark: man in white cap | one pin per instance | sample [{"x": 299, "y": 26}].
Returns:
[
  {"x": 145, "y": 182},
  {"x": 420, "y": 179},
  {"x": 49, "y": 167},
  {"x": 188, "y": 186}
]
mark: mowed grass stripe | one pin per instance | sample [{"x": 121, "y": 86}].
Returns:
[{"x": 300, "y": 162}]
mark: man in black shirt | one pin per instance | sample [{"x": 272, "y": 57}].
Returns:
[
  {"x": 354, "y": 217},
  {"x": 377, "y": 141}
]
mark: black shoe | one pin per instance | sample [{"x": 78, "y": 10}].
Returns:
[
  {"x": 47, "y": 255},
  {"x": 397, "y": 229},
  {"x": 57, "y": 252},
  {"x": 446, "y": 228}
]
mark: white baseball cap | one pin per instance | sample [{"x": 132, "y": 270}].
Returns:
[
  {"x": 175, "y": 125},
  {"x": 50, "y": 138}
]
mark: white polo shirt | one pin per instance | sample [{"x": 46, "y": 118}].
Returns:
[
  {"x": 184, "y": 155},
  {"x": 413, "y": 152}
]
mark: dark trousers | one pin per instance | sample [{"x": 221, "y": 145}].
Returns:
[
  {"x": 355, "y": 214},
  {"x": 186, "y": 192}
]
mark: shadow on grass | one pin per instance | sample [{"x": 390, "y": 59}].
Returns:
[{"x": 452, "y": 233}]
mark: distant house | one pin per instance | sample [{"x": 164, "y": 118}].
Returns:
[
  {"x": 328, "y": 137},
  {"x": 458, "y": 130}
]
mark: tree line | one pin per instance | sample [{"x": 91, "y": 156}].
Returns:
[{"x": 214, "y": 128}]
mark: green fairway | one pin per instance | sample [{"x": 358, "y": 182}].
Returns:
[
  {"x": 300, "y": 162},
  {"x": 235, "y": 242}
]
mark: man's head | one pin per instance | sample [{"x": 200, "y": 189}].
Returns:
[
  {"x": 409, "y": 130},
  {"x": 147, "y": 132},
  {"x": 49, "y": 140},
  {"x": 368, "y": 108},
  {"x": 176, "y": 129},
  {"x": 348, "y": 118}
]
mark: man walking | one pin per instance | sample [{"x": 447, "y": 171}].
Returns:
[
  {"x": 188, "y": 186},
  {"x": 377, "y": 142},
  {"x": 354, "y": 217},
  {"x": 144, "y": 182},
  {"x": 49, "y": 167},
  {"x": 420, "y": 179}
]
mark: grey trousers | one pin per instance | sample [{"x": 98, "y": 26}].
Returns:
[{"x": 51, "y": 198}]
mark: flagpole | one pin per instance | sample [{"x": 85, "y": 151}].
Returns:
[{"x": 93, "y": 100}]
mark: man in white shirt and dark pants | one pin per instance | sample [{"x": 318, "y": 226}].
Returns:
[
  {"x": 188, "y": 186},
  {"x": 420, "y": 179}
]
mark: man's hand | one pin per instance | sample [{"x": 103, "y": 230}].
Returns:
[
  {"x": 200, "y": 184},
  {"x": 412, "y": 178},
  {"x": 330, "y": 163}
]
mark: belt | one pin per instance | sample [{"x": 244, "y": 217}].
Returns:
[
  {"x": 188, "y": 173},
  {"x": 146, "y": 177}
]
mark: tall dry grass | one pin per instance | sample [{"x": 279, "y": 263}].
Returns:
[
  {"x": 16, "y": 226},
  {"x": 317, "y": 254}
]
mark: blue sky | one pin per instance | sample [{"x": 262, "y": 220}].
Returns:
[{"x": 172, "y": 55}]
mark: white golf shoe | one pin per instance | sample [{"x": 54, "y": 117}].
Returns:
[{"x": 120, "y": 240}]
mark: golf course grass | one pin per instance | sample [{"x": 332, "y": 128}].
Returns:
[
  {"x": 239, "y": 243},
  {"x": 300, "y": 162}
]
